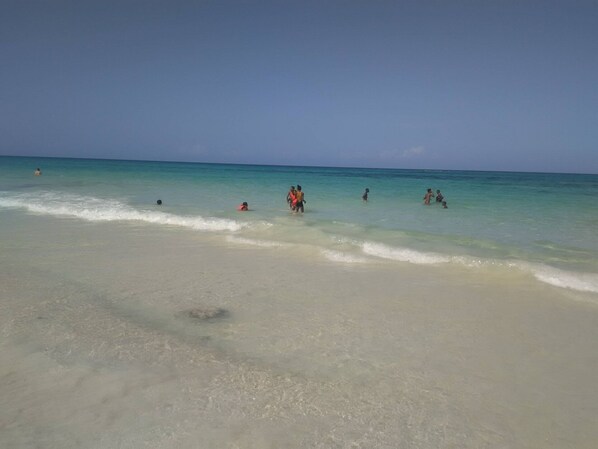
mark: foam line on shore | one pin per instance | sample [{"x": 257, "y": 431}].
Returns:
[
  {"x": 584, "y": 282},
  {"x": 403, "y": 254},
  {"x": 96, "y": 210},
  {"x": 254, "y": 242},
  {"x": 343, "y": 257}
]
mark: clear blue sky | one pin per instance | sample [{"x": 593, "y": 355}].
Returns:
[{"x": 483, "y": 85}]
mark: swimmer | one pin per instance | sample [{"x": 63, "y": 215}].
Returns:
[
  {"x": 429, "y": 194},
  {"x": 243, "y": 207},
  {"x": 439, "y": 196},
  {"x": 159, "y": 202},
  {"x": 364, "y": 197},
  {"x": 37, "y": 172},
  {"x": 444, "y": 206}
]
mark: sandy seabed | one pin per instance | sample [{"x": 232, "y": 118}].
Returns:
[{"x": 123, "y": 336}]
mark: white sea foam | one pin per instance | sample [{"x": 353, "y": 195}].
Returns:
[
  {"x": 585, "y": 282},
  {"x": 254, "y": 242},
  {"x": 96, "y": 209},
  {"x": 338, "y": 256},
  {"x": 403, "y": 254}
]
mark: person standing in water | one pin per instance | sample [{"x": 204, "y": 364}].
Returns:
[
  {"x": 439, "y": 196},
  {"x": 292, "y": 197},
  {"x": 428, "y": 196},
  {"x": 37, "y": 172},
  {"x": 364, "y": 197},
  {"x": 300, "y": 196}
]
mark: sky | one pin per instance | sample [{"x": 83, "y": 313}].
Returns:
[{"x": 478, "y": 85}]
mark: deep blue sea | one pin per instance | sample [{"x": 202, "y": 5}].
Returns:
[{"x": 543, "y": 223}]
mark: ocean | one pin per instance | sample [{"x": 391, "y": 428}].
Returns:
[
  {"x": 541, "y": 223},
  {"x": 378, "y": 324}
]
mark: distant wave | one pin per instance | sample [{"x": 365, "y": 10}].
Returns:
[{"x": 96, "y": 209}]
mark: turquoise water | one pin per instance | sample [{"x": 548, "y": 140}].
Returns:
[{"x": 546, "y": 224}]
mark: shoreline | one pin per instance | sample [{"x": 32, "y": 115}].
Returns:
[{"x": 311, "y": 353}]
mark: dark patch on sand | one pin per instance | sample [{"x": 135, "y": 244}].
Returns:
[{"x": 206, "y": 313}]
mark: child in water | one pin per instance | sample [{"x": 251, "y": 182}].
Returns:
[
  {"x": 243, "y": 207},
  {"x": 364, "y": 197}
]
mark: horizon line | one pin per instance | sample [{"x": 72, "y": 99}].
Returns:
[{"x": 296, "y": 166}]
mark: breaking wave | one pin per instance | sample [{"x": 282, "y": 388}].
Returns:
[
  {"x": 96, "y": 209},
  {"x": 403, "y": 254},
  {"x": 585, "y": 282}
]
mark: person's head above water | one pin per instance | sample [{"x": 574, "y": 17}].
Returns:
[{"x": 159, "y": 202}]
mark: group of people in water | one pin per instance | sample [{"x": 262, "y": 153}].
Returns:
[
  {"x": 427, "y": 197},
  {"x": 296, "y": 199},
  {"x": 439, "y": 198}
]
